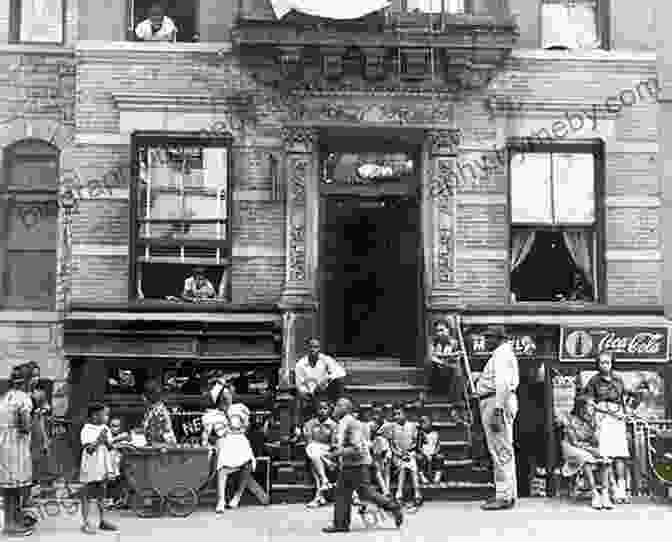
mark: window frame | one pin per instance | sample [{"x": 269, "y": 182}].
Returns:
[
  {"x": 15, "y": 24},
  {"x": 40, "y": 194},
  {"x": 596, "y": 147},
  {"x": 159, "y": 138},
  {"x": 602, "y": 21}
]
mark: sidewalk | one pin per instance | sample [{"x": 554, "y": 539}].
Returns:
[{"x": 547, "y": 520}]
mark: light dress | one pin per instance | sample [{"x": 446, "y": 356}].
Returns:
[
  {"x": 16, "y": 465},
  {"x": 97, "y": 466},
  {"x": 233, "y": 447},
  {"x": 612, "y": 432}
]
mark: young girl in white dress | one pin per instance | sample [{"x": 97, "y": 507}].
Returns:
[
  {"x": 96, "y": 466},
  {"x": 227, "y": 424}
]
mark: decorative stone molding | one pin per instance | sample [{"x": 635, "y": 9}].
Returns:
[
  {"x": 300, "y": 144},
  {"x": 444, "y": 142}
]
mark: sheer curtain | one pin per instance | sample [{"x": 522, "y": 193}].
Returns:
[
  {"x": 578, "y": 244},
  {"x": 521, "y": 244}
]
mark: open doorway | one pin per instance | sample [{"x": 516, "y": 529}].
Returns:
[{"x": 371, "y": 276}]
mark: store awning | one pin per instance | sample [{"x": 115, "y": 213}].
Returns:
[
  {"x": 561, "y": 320},
  {"x": 340, "y": 10}
]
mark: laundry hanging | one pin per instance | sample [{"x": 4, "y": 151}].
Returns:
[{"x": 342, "y": 10}]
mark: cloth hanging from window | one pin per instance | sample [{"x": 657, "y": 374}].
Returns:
[
  {"x": 578, "y": 245},
  {"x": 343, "y": 10},
  {"x": 521, "y": 245}
]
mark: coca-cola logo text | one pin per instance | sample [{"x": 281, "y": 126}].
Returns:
[{"x": 641, "y": 343}]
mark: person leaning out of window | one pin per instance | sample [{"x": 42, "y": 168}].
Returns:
[
  {"x": 197, "y": 287},
  {"x": 157, "y": 27}
]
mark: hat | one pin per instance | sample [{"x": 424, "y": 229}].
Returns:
[
  {"x": 497, "y": 332},
  {"x": 199, "y": 270}
]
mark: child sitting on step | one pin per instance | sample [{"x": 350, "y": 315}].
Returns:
[{"x": 428, "y": 447}]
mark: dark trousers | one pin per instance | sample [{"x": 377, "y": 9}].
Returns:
[{"x": 351, "y": 478}]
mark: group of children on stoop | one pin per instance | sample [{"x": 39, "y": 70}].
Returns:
[{"x": 403, "y": 441}]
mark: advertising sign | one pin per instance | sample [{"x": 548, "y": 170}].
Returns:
[{"x": 645, "y": 344}]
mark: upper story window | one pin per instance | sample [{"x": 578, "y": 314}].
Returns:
[
  {"x": 37, "y": 21},
  {"x": 166, "y": 20},
  {"x": 573, "y": 24},
  {"x": 29, "y": 213},
  {"x": 181, "y": 201},
  {"x": 554, "y": 225},
  {"x": 434, "y": 6}
]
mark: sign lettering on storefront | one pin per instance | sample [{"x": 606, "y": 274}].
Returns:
[
  {"x": 629, "y": 343},
  {"x": 523, "y": 345}
]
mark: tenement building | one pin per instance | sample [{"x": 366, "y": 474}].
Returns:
[{"x": 204, "y": 196}]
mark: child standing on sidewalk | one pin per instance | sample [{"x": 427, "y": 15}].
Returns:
[{"x": 96, "y": 466}]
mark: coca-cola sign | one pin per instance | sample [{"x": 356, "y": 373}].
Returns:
[{"x": 629, "y": 343}]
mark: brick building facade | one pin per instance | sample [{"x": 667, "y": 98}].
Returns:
[{"x": 89, "y": 95}]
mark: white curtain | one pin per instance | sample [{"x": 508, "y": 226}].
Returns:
[
  {"x": 578, "y": 245},
  {"x": 521, "y": 244},
  {"x": 343, "y": 9}
]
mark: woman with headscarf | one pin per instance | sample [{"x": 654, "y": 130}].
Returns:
[
  {"x": 157, "y": 425},
  {"x": 606, "y": 390},
  {"x": 227, "y": 423},
  {"x": 16, "y": 472}
]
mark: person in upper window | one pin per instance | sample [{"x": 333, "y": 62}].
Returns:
[
  {"x": 157, "y": 26},
  {"x": 197, "y": 287}
]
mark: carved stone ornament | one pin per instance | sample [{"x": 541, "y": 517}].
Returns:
[
  {"x": 444, "y": 142},
  {"x": 297, "y": 253},
  {"x": 445, "y": 180},
  {"x": 299, "y": 139},
  {"x": 298, "y": 174},
  {"x": 444, "y": 264}
]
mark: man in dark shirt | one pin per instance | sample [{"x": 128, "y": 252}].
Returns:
[{"x": 352, "y": 450}]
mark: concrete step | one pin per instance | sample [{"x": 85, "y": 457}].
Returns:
[
  {"x": 455, "y": 449},
  {"x": 383, "y": 393},
  {"x": 382, "y": 375},
  {"x": 445, "y": 491}
]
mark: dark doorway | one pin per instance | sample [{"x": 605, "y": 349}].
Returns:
[{"x": 371, "y": 276}]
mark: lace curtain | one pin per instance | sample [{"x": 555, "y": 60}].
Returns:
[
  {"x": 521, "y": 245},
  {"x": 578, "y": 244}
]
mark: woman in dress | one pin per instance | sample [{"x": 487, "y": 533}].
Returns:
[
  {"x": 227, "y": 423},
  {"x": 580, "y": 450},
  {"x": 16, "y": 472},
  {"x": 606, "y": 390},
  {"x": 157, "y": 425}
]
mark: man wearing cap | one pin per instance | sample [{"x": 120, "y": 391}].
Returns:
[
  {"x": 496, "y": 390},
  {"x": 197, "y": 287}
]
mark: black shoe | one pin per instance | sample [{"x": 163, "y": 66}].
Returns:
[
  {"x": 106, "y": 526},
  {"x": 499, "y": 504},
  {"x": 334, "y": 529},
  {"x": 398, "y": 515}
]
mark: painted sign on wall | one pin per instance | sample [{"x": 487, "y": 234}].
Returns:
[{"x": 645, "y": 344}]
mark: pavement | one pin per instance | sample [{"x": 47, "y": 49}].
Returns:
[{"x": 543, "y": 519}]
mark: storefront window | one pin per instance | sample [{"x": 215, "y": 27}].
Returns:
[
  {"x": 554, "y": 227},
  {"x": 182, "y": 192}
]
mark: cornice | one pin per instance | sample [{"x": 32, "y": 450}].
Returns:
[
  {"x": 510, "y": 105},
  {"x": 167, "y": 100}
]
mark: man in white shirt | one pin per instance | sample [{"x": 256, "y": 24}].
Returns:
[
  {"x": 157, "y": 27},
  {"x": 317, "y": 374},
  {"x": 496, "y": 389}
]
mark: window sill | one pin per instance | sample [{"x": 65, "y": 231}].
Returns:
[
  {"x": 159, "y": 305},
  {"x": 529, "y": 307},
  {"x": 35, "y": 48},
  {"x": 91, "y": 46}
]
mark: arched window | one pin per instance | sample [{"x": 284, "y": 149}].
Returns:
[{"x": 28, "y": 225}]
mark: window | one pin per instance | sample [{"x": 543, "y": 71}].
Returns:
[
  {"x": 29, "y": 210},
  {"x": 181, "y": 12},
  {"x": 554, "y": 231},
  {"x": 181, "y": 206},
  {"x": 37, "y": 21},
  {"x": 435, "y": 6},
  {"x": 573, "y": 24}
]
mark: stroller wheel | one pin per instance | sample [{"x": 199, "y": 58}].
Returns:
[
  {"x": 181, "y": 502},
  {"x": 147, "y": 503}
]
